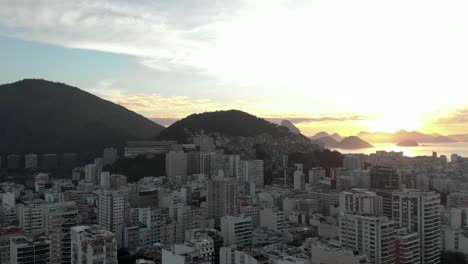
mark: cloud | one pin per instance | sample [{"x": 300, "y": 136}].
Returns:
[{"x": 456, "y": 117}]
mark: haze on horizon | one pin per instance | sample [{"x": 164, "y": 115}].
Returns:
[{"x": 336, "y": 66}]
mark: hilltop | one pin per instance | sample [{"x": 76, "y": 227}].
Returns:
[{"x": 40, "y": 116}]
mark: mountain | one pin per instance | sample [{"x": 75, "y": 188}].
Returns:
[
  {"x": 290, "y": 126},
  {"x": 353, "y": 142},
  {"x": 443, "y": 139},
  {"x": 320, "y": 135},
  {"x": 407, "y": 143},
  {"x": 403, "y": 135},
  {"x": 336, "y": 137},
  {"x": 231, "y": 123},
  {"x": 328, "y": 142},
  {"x": 459, "y": 137},
  {"x": 39, "y": 116}
]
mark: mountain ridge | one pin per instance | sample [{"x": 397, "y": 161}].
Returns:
[
  {"x": 40, "y": 116},
  {"x": 403, "y": 135}
]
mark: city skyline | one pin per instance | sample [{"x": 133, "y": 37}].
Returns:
[{"x": 337, "y": 67}]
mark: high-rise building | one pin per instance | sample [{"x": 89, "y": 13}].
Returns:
[
  {"x": 112, "y": 210},
  {"x": 79, "y": 199},
  {"x": 99, "y": 163},
  {"x": 222, "y": 198},
  {"x": 384, "y": 178},
  {"x": 193, "y": 162},
  {"x": 315, "y": 175},
  {"x": 371, "y": 235},
  {"x": 29, "y": 249},
  {"x": 58, "y": 219},
  {"x": 407, "y": 250},
  {"x": 92, "y": 244},
  {"x": 90, "y": 173},
  {"x": 251, "y": 171},
  {"x": 117, "y": 181},
  {"x": 360, "y": 201},
  {"x": 176, "y": 163},
  {"x": 150, "y": 218},
  {"x": 457, "y": 199},
  {"x": 105, "y": 180},
  {"x": 353, "y": 162},
  {"x": 30, "y": 217},
  {"x": 237, "y": 230},
  {"x": 205, "y": 166},
  {"x": 299, "y": 177},
  {"x": 420, "y": 212}
]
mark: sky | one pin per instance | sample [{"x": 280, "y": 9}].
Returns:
[{"x": 338, "y": 66}]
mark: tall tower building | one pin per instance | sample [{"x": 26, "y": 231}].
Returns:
[
  {"x": 299, "y": 177},
  {"x": 58, "y": 219},
  {"x": 372, "y": 235},
  {"x": 112, "y": 210},
  {"x": 420, "y": 212},
  {"x": 222, "y": 198},
  {"x": 363, "y": 228},
  {"x": 251, "y": 171}
]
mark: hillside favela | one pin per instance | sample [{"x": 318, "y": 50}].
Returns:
[{"x": 233, "y": 132}]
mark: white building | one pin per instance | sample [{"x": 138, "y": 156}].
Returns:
[
  {"x": 420, "y": 212},
  {"x": 360, "y": 201},
  {"x": 371, "y": 235},
  {"x": 236, "y": 230},
  {"x": 92, "y": 244},
  {"x": 272, "y": 219}
]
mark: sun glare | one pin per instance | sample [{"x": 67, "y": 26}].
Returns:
[{"x": 392, "y": 122}]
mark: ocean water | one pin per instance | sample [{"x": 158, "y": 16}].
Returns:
[{"x": 424, "y": 149}]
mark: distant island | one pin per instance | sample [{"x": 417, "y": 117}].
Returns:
[
  {"x": 407, "y": 143},
  {"x": 351, "y": 142}
]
